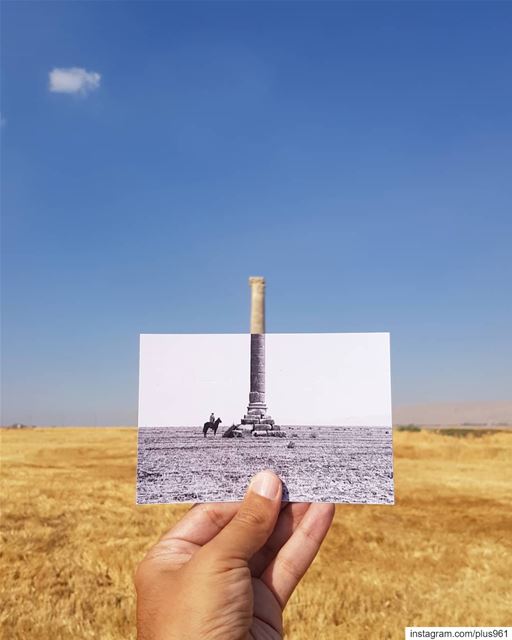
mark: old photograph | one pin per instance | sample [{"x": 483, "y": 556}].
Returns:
[{"x": 215, "y": 409}]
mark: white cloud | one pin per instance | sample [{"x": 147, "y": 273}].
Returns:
[{"x": 73, "y": 80}]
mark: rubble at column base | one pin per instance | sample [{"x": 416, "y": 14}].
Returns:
[{"x": 254, "y": 431}]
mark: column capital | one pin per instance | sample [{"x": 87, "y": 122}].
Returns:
[{"x": 256, "y": 280}]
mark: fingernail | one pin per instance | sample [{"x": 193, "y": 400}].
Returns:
[{"x": 266, "y": 484}]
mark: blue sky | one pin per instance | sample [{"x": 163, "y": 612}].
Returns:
[{"x": 359, "y": 155}]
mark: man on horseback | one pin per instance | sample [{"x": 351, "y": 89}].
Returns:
[
  {"x": 213, "y": 424},
  {"x": 212, "y": 417}
]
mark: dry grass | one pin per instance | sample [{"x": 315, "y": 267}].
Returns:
[{"x": 72, "y": 534}]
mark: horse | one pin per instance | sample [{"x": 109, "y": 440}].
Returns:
[{"x": 211, "y": 425}]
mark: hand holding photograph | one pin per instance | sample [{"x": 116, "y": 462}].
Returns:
[{"x": 318, "y": 414}]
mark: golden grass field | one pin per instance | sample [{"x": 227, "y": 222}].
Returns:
[{"x": 72, "y": 534}]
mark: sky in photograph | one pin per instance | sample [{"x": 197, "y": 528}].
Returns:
[
  {"x": 327, "y": 379},
  {"x": 156, "y": 154}
]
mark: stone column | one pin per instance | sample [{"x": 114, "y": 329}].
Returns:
[
  {"x": 257, "y": 409},
  {"x": 257, "y": 284},
  {"x": 257, "y": 405}
]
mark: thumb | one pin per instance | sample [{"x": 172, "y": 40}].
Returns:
[{"x": 252, "y": 525}]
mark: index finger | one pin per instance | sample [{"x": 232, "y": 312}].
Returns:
[
  {"x": 199, "y": 526},
  {"x": 203, "y": 522}
]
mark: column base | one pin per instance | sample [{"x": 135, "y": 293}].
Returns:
[
  {"x": 255, "y": 420},
  {"x": 254, "y": 430}
]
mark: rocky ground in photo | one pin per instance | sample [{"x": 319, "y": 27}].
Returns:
[{"x": 321, "y": 464}]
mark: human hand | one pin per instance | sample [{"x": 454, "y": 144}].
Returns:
[{"x": 226, "y": 571}]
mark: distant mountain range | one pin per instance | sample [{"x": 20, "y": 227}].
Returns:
[{"x": 455, "y": 413}]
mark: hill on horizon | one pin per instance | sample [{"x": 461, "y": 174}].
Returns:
[{"x": 455, "y": 413}]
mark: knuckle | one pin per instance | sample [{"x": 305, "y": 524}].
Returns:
[
  {"x": 213, "y": 515},
  {"x": 251, "y": 517},
  {"x": 309, "y": 534},
  {"x": 288, "y": 566}
]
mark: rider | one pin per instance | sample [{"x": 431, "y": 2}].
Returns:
[{"x": 212, "y": 417}]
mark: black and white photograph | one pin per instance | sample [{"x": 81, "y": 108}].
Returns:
[{"x": 214, "y": 409}]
